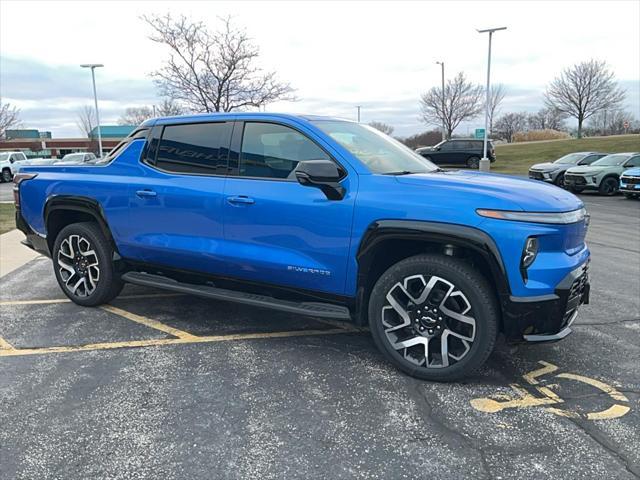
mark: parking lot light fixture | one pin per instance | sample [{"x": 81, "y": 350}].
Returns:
[
  {"x": 93, "y": 67},
  {"x": 484, "y": 162}
]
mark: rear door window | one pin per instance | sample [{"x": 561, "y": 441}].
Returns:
[{"x": 196, "y": 148}]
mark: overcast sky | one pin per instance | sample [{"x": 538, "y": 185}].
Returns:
[{"x": 337, "y": 55}]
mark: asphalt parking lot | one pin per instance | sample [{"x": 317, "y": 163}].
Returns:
[{"x": 167, "y": 386}]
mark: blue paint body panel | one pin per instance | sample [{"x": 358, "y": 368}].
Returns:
[{"x": 292, "y": 235}]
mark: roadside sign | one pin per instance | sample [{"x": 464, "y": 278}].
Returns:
[{"x": 479, "y": 132}]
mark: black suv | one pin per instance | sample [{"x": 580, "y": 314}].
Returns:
[{"x": 459, "y": 151}]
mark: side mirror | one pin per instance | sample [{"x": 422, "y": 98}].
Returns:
[{"x": 322, "y": 174}]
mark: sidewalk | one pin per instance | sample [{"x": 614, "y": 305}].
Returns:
[{"x": 12, "y": 253}]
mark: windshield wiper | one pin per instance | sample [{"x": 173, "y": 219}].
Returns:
[{"x": 402, "y": 172}]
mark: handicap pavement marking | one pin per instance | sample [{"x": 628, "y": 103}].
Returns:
[{"x": 548, "y": 399}]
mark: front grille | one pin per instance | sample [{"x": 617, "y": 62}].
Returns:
[
  {"x": 630, "y": 180},
  {"x": 577, "y": 179},
  {"x": 536, "y": 175}
]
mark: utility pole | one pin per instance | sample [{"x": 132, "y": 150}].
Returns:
[
  {"x": 93, "y": 67},
  {"x": 444, "y": 129},
  {"x": 485, "y": 164},
  {"x": 358, "y": 107}
]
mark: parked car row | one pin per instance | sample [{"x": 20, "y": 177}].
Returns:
[
  {"x": 597, "y": 171},
  {"x": 11, "y": 162}
]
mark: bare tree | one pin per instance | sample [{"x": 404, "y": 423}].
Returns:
[
  {"x": 547, "y": 119},
  {"x": 511, "y": 123},
  {"x": 169, "y": 108},
  {"x": 9, "y": 117},
  {"x": 462, "y": 101},
  {"x": 583, "y": 90},
  {"x": 496, "y": 96},
  {"x": 212, "y": 71},
  {"x": 86, "y": 120},
  {"x": 609, "y": 122},
  {"x": 424, "y": 139},
  {"x": 135, "y": 115},
  {"x": 383, "y": 127}
]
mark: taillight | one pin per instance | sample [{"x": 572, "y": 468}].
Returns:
[{"x": 17, "y": 180}]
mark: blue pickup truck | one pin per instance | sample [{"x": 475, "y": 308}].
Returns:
[{"x": 321, "y": 217}]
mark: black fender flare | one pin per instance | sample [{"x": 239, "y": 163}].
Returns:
[
  {"x": 431, "y": 232},
  {"x": 77, "y": 203}
]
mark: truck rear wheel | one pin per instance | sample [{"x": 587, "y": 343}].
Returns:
[
  {"x": 82, "y": 261},
  {"x": 433, "y": 317}
]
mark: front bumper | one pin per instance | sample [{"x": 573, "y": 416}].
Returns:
[
  {"x": 547, "y": 318},
  {"x": 630, "y": 185},
  {"x": 548, "y": 177},
  {"x": 584, "y": 182}
]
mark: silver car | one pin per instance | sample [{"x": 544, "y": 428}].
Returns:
[{"x": 553, "y": 172}]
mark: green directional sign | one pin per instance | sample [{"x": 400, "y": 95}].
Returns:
[{"x": 479, "y": 132}]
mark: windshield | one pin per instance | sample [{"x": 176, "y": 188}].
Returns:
[
  {"x": 379, "y": 152},
  {"x": 4, "y": 156},
  {"x": 610, "y": 161},
  {"x": 572, "y": 158}
]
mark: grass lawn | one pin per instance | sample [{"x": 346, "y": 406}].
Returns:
[
  {"x": 7, "y": 219},
  {"x": 518, "y": 157}
]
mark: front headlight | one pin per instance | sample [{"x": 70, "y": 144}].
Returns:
[{"x": 562, "y": 218}]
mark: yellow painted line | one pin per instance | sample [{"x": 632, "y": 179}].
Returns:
[
  {"x": 34, "y": 302},
  {"x": 489, "y": 405},
  {"x": 615, "y": 411},
  {"x": 66, "y": 300},
  {"x": 166, "y": 341},
  {"x": 4, "y": 345},
  {"x": 531, "y": 377},
  {"x": 148, "y": 322}
]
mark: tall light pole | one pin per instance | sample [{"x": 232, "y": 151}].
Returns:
[
  {"x": 484, "y": 162},
  {"x": 443, "y": 126},
  {"x": 93, "y": 67},
  {"x": 358, "y": 107}
]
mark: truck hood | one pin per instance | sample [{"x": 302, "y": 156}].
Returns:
[
  {"x": 632, "y": 172},
  {"x": 545, "y": 167},
  {"x": 505, "y": 192},
  {"x": 586, "y": 169}
]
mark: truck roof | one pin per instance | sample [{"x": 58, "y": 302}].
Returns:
[{"x": 239, "y": 115}]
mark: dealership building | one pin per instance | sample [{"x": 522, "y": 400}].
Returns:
[{"x": 38, "y": 144}]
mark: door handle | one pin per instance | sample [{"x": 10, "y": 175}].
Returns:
[
  {"x": 146, "y": 193},
  {"x": 241, "y": 200}
]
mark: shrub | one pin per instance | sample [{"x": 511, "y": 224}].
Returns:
[{"x": 533, "y": 135}]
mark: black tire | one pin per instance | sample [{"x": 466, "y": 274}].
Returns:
[
  {"x": 609, "y": 186},
  {"x": 478, "y": 296},
  {"x": 80, "y": 249},
  {"x": 7, "y": 176},
  {"x": 473, "y": 162},
  {"x": 559, "y": 181}
]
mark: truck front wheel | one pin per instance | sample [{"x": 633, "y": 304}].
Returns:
[
  {"x": 434, "y": 317},
  {"x": 6, "y": 176},
  {"x": 82, "y": 261}
]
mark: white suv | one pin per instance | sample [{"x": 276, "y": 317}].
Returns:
[{"x": 8, "y": 167}]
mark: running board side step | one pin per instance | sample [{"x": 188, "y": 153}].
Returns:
[{"x": 314, "y": 309}]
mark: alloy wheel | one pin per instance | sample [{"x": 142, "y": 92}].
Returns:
[
  {"x": 78, "y": 265},
  {"x": 428, "y": 321}
]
